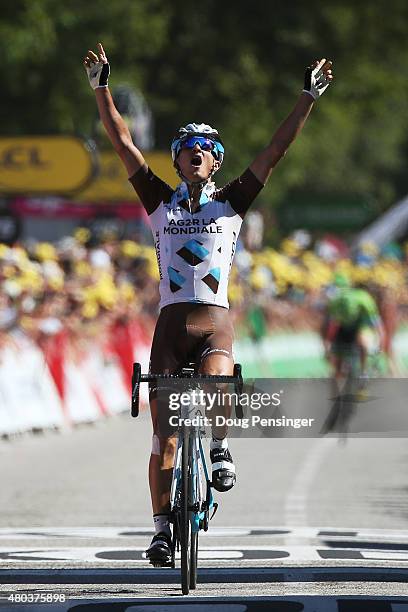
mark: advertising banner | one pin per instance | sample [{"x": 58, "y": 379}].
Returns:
[
  {"x": 31, "y": 165},
  {"x": 111, "y": 183}
]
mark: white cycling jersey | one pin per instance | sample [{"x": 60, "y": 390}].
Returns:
[{"x": 195, "y": 250}]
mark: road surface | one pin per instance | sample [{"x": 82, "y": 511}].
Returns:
[{"x": 307, "y": 518}]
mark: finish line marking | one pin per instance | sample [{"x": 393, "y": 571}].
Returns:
[
  {"x": 323, "y": 534},
  {"x": 136, "y": 555}
]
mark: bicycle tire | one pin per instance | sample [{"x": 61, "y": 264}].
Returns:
[
  {"x": 194, "y": 534},
  {"x": 193, "y": 560},
  {"x": 185, "y": 514}
]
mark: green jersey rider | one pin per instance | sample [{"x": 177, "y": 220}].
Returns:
[
  {"x": 195, "y": 228},
  {"x": 352, "y": 319}
]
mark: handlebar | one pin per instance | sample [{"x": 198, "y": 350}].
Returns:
[{"x": 186, "y": 374}]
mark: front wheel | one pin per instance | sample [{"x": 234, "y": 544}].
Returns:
[{"x": 185, "y": 527}]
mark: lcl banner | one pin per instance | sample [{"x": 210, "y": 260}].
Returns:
[
  {"x": 112, "y": 185},
  {"x": 31, "y": 165}
]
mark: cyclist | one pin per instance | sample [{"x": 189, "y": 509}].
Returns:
[
  {"x": 195, "y": 228},
  {"x": 352, "y": 319}
]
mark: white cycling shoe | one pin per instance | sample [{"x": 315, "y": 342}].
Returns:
[
  {"x": 223, "y": 469},
  {"x": 159, "y": 551}
]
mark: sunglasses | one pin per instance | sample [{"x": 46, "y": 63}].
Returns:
[{"x": 205, "y": 143}]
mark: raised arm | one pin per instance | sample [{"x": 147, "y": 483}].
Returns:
[
  {"x": 97, "y": 68},
  {"x": 317, "y": 78}
]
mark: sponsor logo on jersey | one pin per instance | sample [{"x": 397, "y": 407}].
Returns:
[
  {"x": 157, "y": 247},
  {"x": 193, "y": 226}
]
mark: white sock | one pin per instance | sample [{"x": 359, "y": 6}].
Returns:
[
  {"x": 161, "y": 524},
  {"x": 215, "y": 443}
]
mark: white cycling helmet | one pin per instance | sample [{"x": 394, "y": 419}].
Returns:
[{"x": 198, "y": 129}]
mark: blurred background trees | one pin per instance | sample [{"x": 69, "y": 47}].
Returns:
[{"x": 238, "y": 65}]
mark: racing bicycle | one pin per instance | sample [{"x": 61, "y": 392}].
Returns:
[
  {"x": 350, "y": 390},
  {"x": 192, "y": 503}
]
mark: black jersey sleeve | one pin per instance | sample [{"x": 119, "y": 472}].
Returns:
[
  {"x": 241, "y": 192},
  {"x": 150, "y": 188}
]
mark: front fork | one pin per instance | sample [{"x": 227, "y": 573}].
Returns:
[
  {"x": 208, "y": 506},
  {"x": 202, "y": 510}
]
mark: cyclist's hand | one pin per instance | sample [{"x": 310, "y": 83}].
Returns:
[
  {"x": 97, "y": 68},
  {"x": 318, "y": 77}
]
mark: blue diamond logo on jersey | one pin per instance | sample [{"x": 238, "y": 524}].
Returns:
[
  {"x": 193, "y": 252},
  {"x": 212, "y": 279},
  {"x": 177, "y": 280}
]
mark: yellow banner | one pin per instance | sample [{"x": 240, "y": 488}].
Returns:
[
  {"x": 44, "y": 165},
  {"x": 111, "y": 184}
]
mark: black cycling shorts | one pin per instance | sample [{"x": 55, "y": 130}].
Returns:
[
  {"x": 185, "y": 333},
  {"x": 345, "y": 337},
  {"x": 188, "y": 333}
]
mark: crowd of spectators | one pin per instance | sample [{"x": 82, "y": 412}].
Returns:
[
  {"x": 292, "y": 283},
  {"x": 77, "y": 285},
  {"x": 86, "y": 286}
]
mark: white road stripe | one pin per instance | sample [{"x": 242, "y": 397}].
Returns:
[
  {"x": 135, "y": 554},
  {"x": 35, "y": 533},
  {"x": 267, "y": 531},
  {"x": 295, "y": 510}
]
